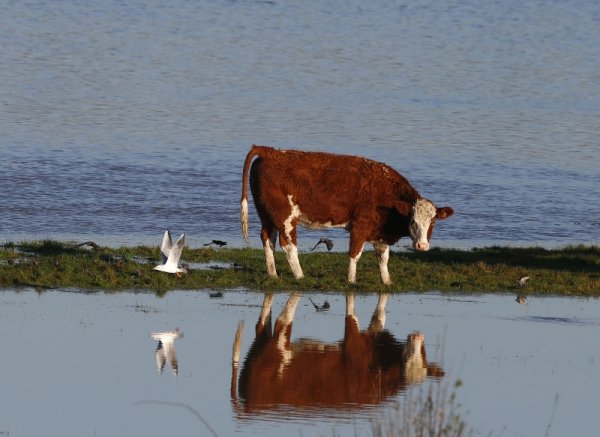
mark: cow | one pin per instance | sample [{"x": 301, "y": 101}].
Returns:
[
  {"x": 365, "y": 368},
  {"x": 369, "y": 199}
]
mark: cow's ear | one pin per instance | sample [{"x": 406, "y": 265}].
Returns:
[
  {"x": 403, "y": 207},
  {"x": 443, "y": 213}
]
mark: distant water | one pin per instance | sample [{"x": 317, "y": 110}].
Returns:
[{"x": 121, "y": 119}]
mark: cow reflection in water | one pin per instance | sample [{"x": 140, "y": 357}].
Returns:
[{"x": 364, "y": 368}]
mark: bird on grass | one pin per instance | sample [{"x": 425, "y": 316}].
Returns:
[
  {"x": 325, "y": 241},
  {"x": 323, "y": 307},
  {"x": 219, "y": 243},
  {"x": 522, "y": 282},
  {"x": 170, "y": 254}
]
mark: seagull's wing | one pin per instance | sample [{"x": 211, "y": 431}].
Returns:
[
  {"x": 165, "y": 247},
  {"x": 176, "y": 250}
]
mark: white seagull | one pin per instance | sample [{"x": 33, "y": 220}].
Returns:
[
  {"x": 522, "y": 282},
  {"x": 170, "y": 254}
]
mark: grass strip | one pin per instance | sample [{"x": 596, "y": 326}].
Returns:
[{"x": 572, "y": 270}]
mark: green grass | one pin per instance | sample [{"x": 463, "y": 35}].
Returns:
[{"x": 573, "y": 270}]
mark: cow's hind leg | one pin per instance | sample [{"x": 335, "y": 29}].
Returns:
[
  {"x": 268, "y": 234},
  {"x": 289, "y": 245},
  {"x": 283, "y": 332},
  {"x": 378, "y": 320},
  {"x": 350, "y": 313},
  {"x": 287, "y": 238},
  {"x": 383, "y": 254},
  {"x": 356, "y": 248}
]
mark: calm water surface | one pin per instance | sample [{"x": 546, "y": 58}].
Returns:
[
  {"x": 85, "y": 364},
  {"x": 123, "y": 119}
]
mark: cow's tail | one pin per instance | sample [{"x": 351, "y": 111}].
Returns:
[
  {"x": 235, "y": 361},
  {"x": 254, "y": 151}
]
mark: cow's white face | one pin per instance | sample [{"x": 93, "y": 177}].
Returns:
[{"x": 422, "y": 219}]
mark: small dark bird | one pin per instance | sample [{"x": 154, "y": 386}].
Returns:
[
  {"x": 216, "y": 294},
  {"x": 323, "y": 307},
  {"x": 325, "y": 241},
  {"x": 219, "y": 243},
  {"x": 523, "y": 281},
  {"x": 521, "y": 299}
]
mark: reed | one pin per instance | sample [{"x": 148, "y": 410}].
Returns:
[
  {"x": 572, "y": 270},
  {"x": 434, "y": 411}
]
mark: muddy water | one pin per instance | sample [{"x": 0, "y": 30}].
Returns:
[{"x": 86, "y": 364}]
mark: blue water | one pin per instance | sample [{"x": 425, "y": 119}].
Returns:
[{"x": 121, "y": 119}]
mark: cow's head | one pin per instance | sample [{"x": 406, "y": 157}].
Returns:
[{"x": 422, "y": 219}]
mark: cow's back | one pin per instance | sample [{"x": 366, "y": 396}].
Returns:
[{"x": 325, "y": 186}]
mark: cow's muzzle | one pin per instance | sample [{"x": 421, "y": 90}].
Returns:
[{"x": 421, "y": 246}]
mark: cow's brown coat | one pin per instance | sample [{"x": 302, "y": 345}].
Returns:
[{"x": 368, "y": 198}]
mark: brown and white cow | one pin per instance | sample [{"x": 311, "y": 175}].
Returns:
[
  {"x": 364, "y": 368},
  {"x": 318, "y": 190}
]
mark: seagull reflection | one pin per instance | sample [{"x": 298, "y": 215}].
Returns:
[
  {"x": 365, "y": 368},
  {"x": 165, "y": 350}
]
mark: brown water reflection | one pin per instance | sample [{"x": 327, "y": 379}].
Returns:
[{"x": 364, "y": 368}]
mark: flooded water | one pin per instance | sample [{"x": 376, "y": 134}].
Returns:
[
  {"x": 123, "y": 119},
  {"x": 87, "y": 364}
]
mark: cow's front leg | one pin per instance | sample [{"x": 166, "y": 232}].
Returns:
[
  {"x": 383, "y": 255},
  {"x": 356, "y": 248}
]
